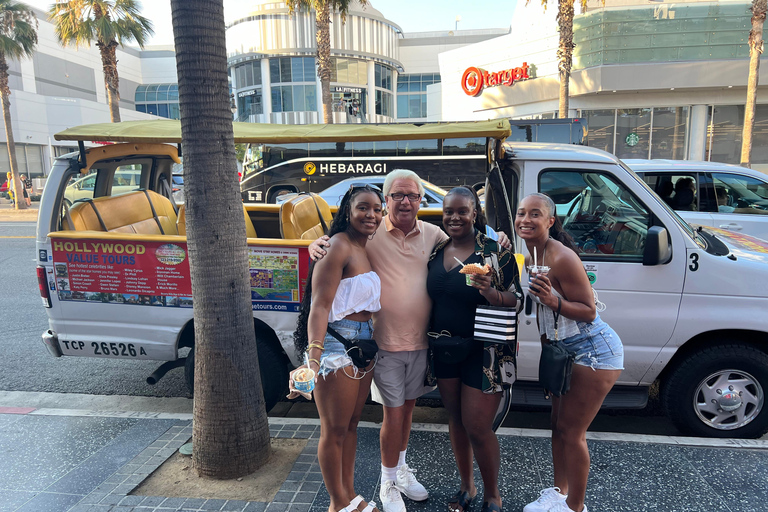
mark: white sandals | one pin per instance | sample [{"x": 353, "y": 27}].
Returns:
[{"x": 352, "y": 507}]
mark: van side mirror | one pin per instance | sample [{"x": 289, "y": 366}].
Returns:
[{"x": 657, "y": 250}]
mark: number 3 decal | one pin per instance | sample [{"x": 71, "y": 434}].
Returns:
[{"x": 694, "y": 266}]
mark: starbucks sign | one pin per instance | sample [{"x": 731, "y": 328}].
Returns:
[{"x": 632, "y": 139}]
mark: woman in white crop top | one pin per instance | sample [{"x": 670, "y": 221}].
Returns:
[
  {"x": 342, "y": 292},
  {"x": 599, "y": 357}
]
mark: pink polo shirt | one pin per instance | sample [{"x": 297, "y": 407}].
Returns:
[{"x": 401, "y": 260}]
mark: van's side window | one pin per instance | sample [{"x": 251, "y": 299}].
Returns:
[
  {"x": 602, "y": 216},
  {"x": 80, "y": 187},
  {"x": 685, "y": 191},
  {"x": 740, "y": 194}
]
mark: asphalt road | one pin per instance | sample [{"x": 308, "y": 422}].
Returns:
[{"x": 26, "y": 363}]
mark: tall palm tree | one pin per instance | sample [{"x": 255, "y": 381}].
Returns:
[
  {"x": 230, "y": 434},
  {"x": 110, "y": 23},
  {"x": 18, "y": 38},
  {"x": 323, "y": 10},
  {"x": 759, "y": 8}
]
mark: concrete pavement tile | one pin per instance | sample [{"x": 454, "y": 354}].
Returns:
[
  {"x": 120, "y": 508},
  {"x": 194, "y": 503},
  {"x": 311, "y": 486},
  {"x": 173, "y": 503},
  {"x": 255, "y": 506},
  {"x": 94, "y": 497},
  {"x": 213, "y": 504},
  {"x": 283, "y": 497},
  {"x": 304, "y": 497},
  {"x": 152, "y": 501},
  {"x": 111, "y": 499},
  {"x": 740, "y": 477},
  {"x": 131, "y": 501},
  {"x": 51, "y": 502},
  {"x": 237, "y": 505},
  {"x": 290, "y": 486},
  {"x": 11, "y": 500},
  {"x": 299, "y": 507},
  {"x": 277, "y": 507},
  {"x": 38, "y": 450}
]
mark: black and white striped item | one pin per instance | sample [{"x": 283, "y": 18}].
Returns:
[{"x": 496, "y": 324}]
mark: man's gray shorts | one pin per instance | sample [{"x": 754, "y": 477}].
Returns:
[{"x": 399, "y": 376}]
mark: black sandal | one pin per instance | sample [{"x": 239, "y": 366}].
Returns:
[
  {"x": 490, "y": 507},
  {"x": 463, "y": 500}
]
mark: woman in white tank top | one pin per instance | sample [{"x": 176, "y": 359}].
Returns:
[{"x": 597, "y": 348}]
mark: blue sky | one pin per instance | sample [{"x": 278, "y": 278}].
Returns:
[{"x": 411, "y": 15}]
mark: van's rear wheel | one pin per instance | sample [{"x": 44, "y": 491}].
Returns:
[
  {"x": 272, "y": 366},
  {"x": 719, "y": 392}
]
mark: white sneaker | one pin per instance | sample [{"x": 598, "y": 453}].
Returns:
[
  {"x": 561, "y": 506},
  {"x": 547, "y": 498},
  {"x": 407, "y": 483},
  {"x": 391, "y": 501}
]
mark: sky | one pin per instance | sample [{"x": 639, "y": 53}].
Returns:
[{"x": 410, "y": 15}]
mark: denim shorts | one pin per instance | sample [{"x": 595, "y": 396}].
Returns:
[
  {"x": 335, "y": 355},
  {"x": 596, "y": 346}
]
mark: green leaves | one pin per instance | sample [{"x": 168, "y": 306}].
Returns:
[
  {"x": 18, "y": 29},
  {"x": 83, "y": 22}
]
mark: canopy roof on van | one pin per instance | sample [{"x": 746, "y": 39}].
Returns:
[{"x": 169, "y": 131}]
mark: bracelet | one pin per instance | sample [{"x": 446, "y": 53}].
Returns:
[
  {"x": 313, "y": 360},
  {"x": 316, "y": 344}
]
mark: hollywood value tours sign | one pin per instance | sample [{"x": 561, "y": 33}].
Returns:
[{"x": 475, "y": 79}]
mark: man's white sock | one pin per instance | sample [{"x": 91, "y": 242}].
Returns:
[
  {"x": 388, "y": 474},
  {"x": 401, "y": 460}
]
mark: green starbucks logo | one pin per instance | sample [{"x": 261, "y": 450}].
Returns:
[{"x": 632, "y": 139}]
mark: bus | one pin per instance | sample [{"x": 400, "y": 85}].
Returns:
[{"x": 273, "y": 170}]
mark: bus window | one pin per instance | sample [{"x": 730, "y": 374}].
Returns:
[
  {"x": 417, "y": 147},
  {"x": 465, "y": 146},
  {"x": 277, "y": 154},
  {"x": 523, "y": 133},
  {"x": 330, "y": 149},
  {"x": 376, "y": 148}
]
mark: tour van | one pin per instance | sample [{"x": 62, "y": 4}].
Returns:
[{"x": 688, "y": 303}]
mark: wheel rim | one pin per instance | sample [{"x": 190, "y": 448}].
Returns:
[{"x": 728, "y": 399}]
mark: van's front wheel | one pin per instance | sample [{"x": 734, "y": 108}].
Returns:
[
  {"x": 719, "y": 392},
  {"x": 272, "y": 367}
]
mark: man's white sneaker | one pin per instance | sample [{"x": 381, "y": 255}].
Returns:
[
  {"x": 547, "y": 498},
  {"x": 561, "y": 506},
  {"x": 391, "y": 501},
  {"x": 407, "y": 483}
]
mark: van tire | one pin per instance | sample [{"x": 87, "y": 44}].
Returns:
[
  {"x": 694, "y": 383},
  {"x": 271, "y": 363}
]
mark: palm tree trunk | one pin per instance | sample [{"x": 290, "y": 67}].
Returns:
[
  {"x": 108, "y": 53},
  {"x": 759, "y": 8},
  {"x": 5, "y": 93},
  {"x": 323, "y": 36},
  {"x": 230, "y": 430},
  {"x": 565, "y": 52}
]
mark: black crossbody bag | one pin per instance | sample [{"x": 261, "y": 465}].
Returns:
[
  {"x": 556, "y": 363},
  {"x": 362, "y": 351}
]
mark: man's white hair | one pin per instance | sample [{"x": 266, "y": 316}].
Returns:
[{"x": 402, "y": 174}]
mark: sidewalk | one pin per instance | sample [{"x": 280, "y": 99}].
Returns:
[
  {"x": 9, "y": 213},
  {"x": 74, "y": 460}
]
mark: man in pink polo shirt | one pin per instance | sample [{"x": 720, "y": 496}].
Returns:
[{"x": 399, "y": 253}]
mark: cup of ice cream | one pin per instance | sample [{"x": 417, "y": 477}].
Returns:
[
  {"x": 304, "y": 380},
  {"x": 474, "y": 269}
]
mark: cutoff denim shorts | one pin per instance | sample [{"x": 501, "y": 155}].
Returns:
[
  {"x": 596, "y": 346},
  {"x": 335, "y": 355}
]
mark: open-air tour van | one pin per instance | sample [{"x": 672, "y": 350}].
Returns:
[{"x": 689, "y": 304}]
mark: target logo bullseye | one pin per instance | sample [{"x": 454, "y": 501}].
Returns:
[{"x": 472, "y": 81}]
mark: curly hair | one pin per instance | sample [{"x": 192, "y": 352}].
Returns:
[
  {"x": 339, "y": 224},
  {"x": 471, "y": 194}
]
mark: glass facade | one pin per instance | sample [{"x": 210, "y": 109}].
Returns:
[
  {"x": 662, "y": 33},
  {"x": 291, "y": 69},
  {"x": 294, "y": 98},
  {"x": 349, "y": 71},
  {"x": 248, "y": 74},
  {"x": 653, "y": 132},
  {"x": 158, "y": 99},
  {"x": 412, "y": 95},
  {"x": 249, "y": 103},
  {"x": 726, "y": 123}
]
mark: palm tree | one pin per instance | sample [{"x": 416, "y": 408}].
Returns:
[
  {"x": 110, "y": 23},
  {"x": 18, "y": 38},
  {"x": 323, "y": 10},
  {"x": 759, "y": 8},
  {"x": 230, "y": 433}
]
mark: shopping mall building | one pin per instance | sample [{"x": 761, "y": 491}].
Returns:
[{"x": 652, "y": 79}]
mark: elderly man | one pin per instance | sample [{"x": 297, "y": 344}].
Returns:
[{"x": 399, "y": 253}]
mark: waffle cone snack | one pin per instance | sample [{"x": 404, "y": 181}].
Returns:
[{"x": 474, "y": 268}]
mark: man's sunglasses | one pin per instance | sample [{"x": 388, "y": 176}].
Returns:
[{"x": 397, "y": 196}]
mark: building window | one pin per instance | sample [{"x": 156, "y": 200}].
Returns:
[
  {"x": 633, "y": 127},
  {"x": 292, "y": 69},
  {"x": 725, "y": 131},
  {"x": 411, "y": 94},
  {"x": 383, "y": 76},
  {"x": 294, "y": 98},
  {"x": 384, "y": 104},
  {"x": 349, "y": 71},
  {"x": 158, "y": 99},
  {"x": 249, "y": 103},
  {"x": 668, "y": 133},
  {"x": 248, "y": 74},
  {"x": 601, "y": 124}
]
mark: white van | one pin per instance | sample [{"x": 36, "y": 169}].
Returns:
[
  {"x": 689, "y": 306},
  {"x": 711, "y": 194}
]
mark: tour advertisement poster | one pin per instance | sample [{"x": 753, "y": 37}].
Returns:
[
  {"x": 278, "y": 276},
  {"x": 122, "y": 272}
]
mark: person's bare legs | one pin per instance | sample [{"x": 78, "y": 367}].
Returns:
[
  {"x": 477, "y": 412},
  {"x": 349, "y": 449},
  {"x": 450, "y": 393},
  {"x": 336, "y": 396},
  {"x": 395, "y": 431},
  {"x": 572, "y": 414}
]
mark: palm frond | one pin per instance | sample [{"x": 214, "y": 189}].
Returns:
[
  {"x": 85, "y": 21},
  {"x": 18, "y": 29}
]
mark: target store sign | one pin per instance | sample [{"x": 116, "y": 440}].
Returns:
[{"x": 475, "y": 79}]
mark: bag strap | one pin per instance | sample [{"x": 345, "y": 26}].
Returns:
[
  {"x": 98, "y": 215},
  {"x": 556, "y": 314},
  {"x": 344, "y": 341},
  {"x": 322, "y": 220},
  {"x": 168, "y": 192},
  {"x": 154, "y": 213}
]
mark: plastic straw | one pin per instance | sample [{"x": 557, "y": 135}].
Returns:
[
  {"x": 460, "y": 262},
  {"x": 535, "y": 264}
]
